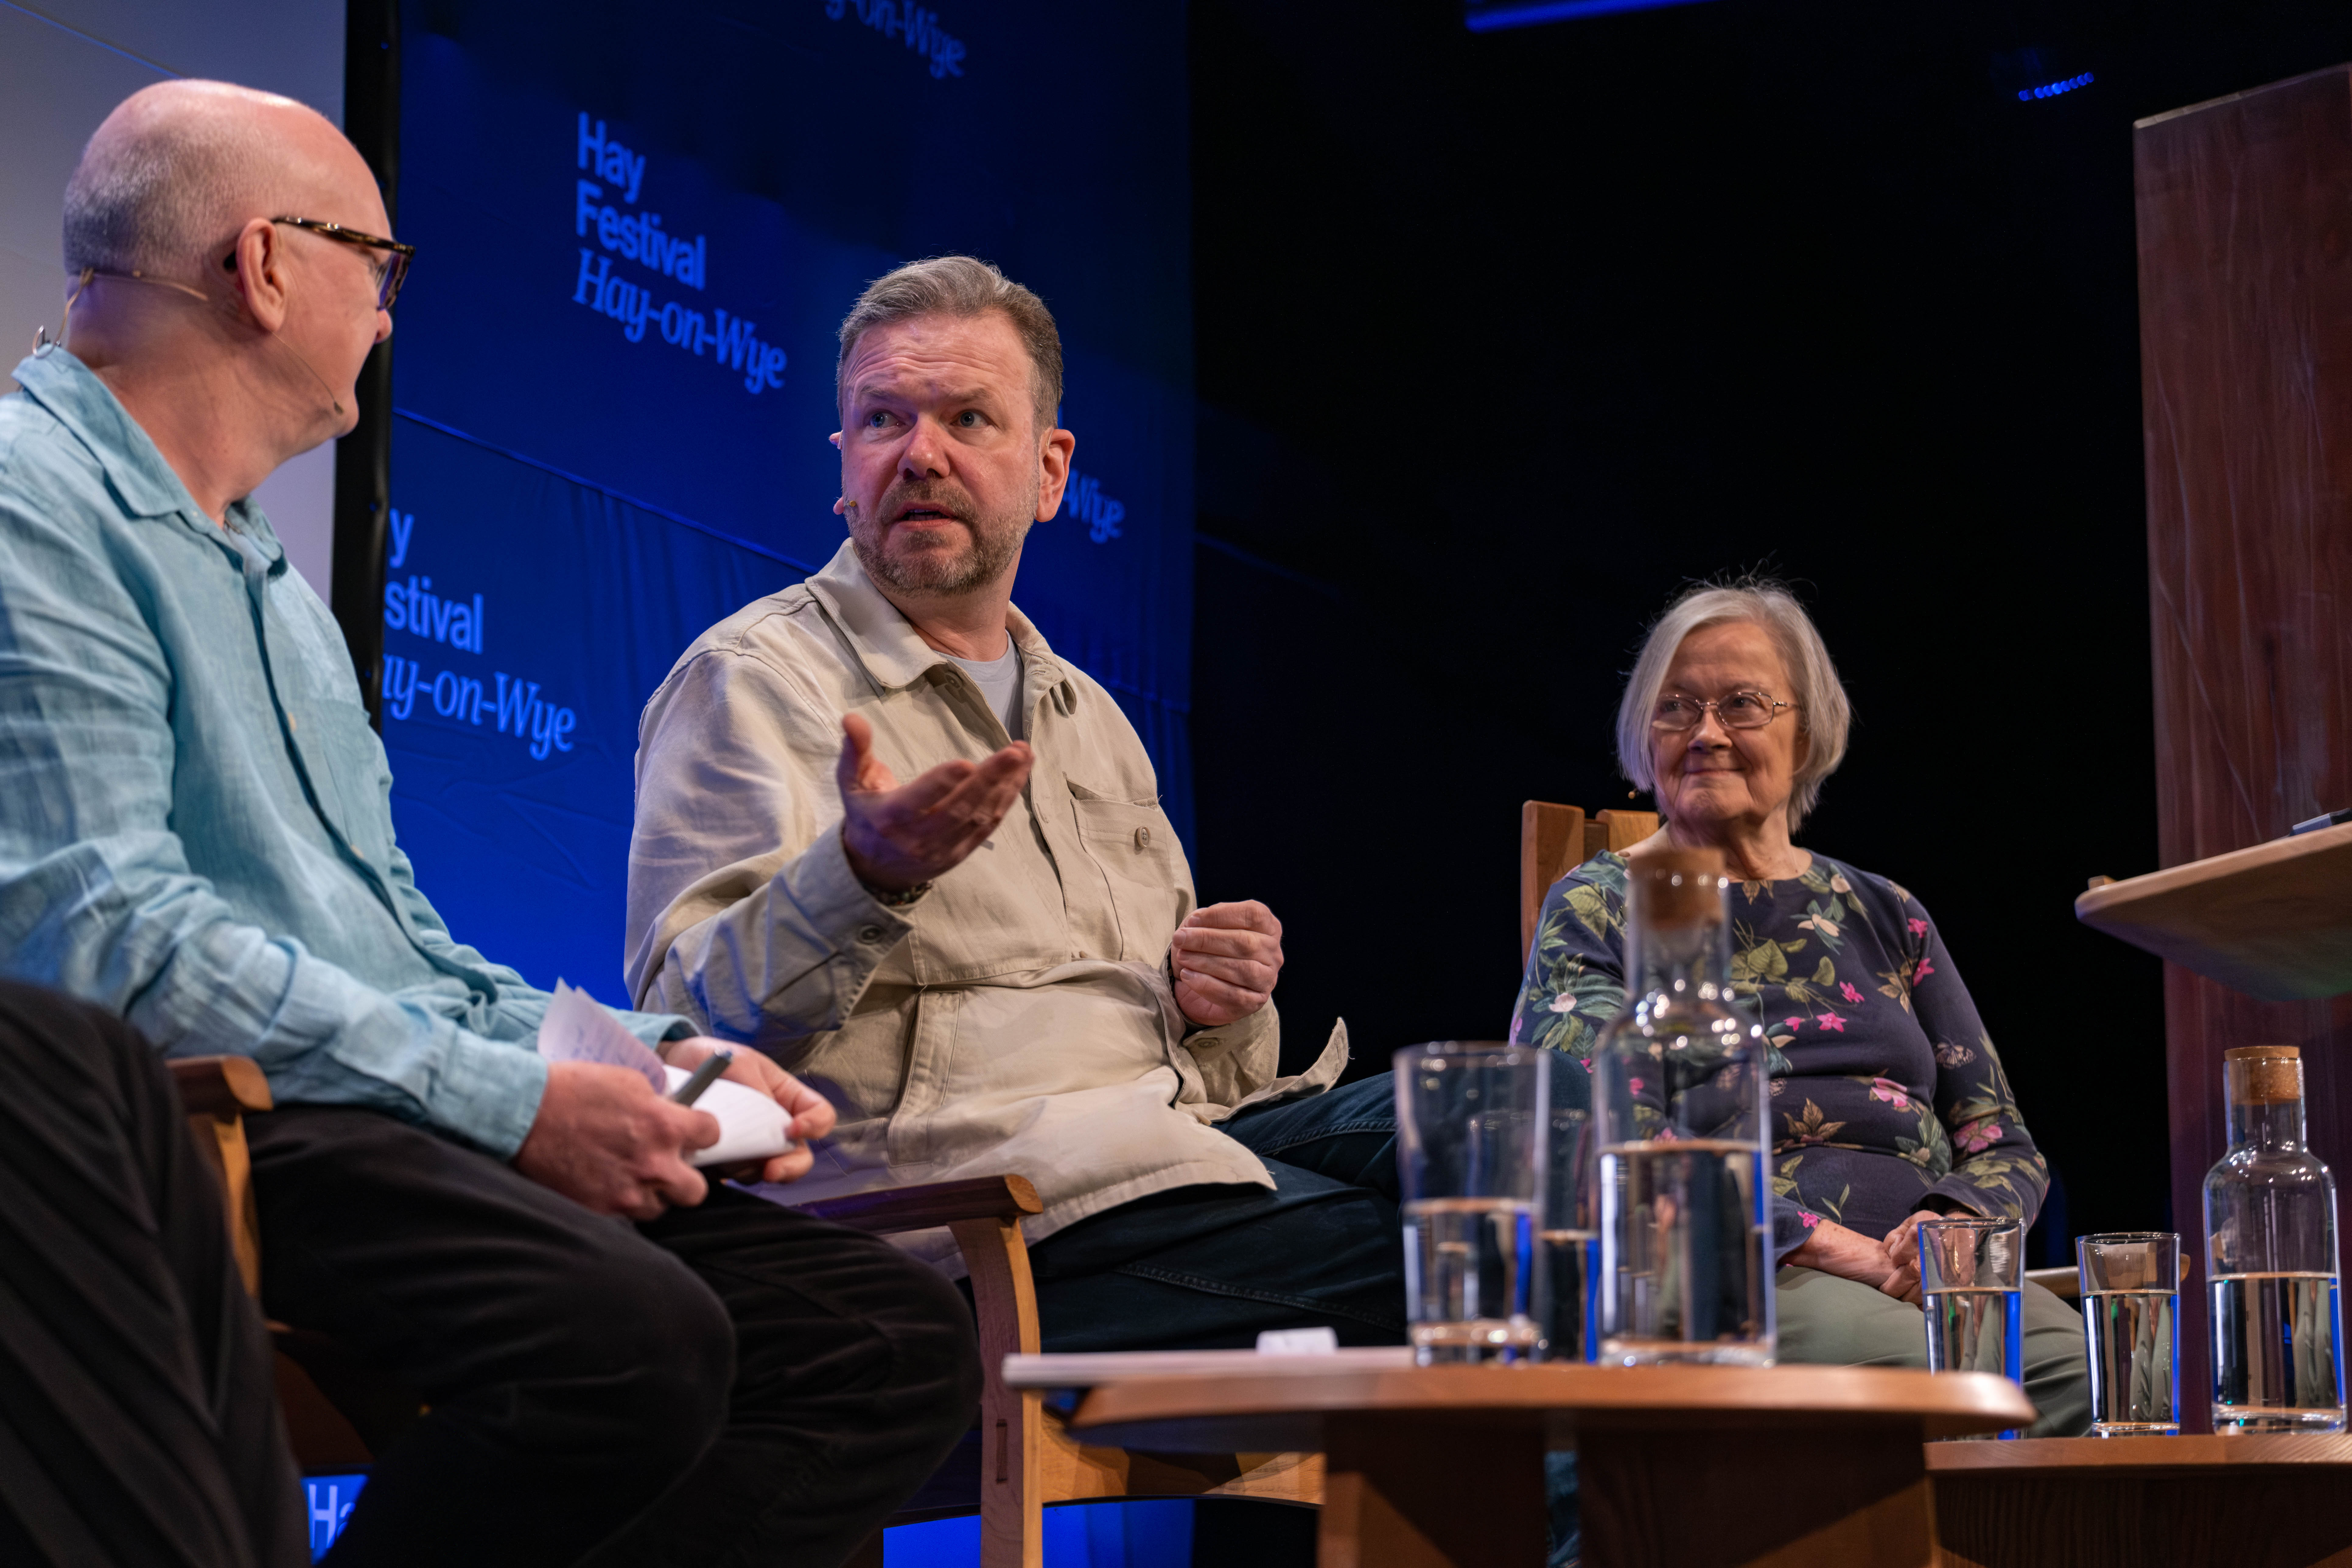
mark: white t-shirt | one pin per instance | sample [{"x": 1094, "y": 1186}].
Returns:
[{"x": 999, "y": 680}]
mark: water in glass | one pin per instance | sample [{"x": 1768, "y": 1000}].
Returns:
[
  {"x": 1470, "y": 1161},
  {"x": 2277, "y": 1353},
  {"x": 1568, "y": 1259},
  {"x": 2132, "y": 1338},
  {"x": 1469, "y": 1261}
]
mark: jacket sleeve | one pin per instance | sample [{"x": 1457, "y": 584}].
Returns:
[
  {"x": 97, "y": 897},
  {"x": 1996, "y": 1169},
  {"x": 744, "y": 914},
  {"x": 519, "y": 1007}
]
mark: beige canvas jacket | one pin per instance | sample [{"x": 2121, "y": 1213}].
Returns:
[{"x": 1019, "y": 1016}]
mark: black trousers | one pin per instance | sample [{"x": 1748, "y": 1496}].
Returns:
[
  {"x": 733, "y": 1383},
  {"x": 139, "y": 1422}
]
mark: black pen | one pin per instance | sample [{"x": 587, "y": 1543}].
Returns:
[{"x": 702, "y": 1077}]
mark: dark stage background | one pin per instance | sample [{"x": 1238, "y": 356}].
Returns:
[
  {"x": 1502, "y": 337},
  {"x": 1498, "y": 338}
]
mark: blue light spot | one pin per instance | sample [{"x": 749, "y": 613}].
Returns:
[
  {"x": 1489, "y": 16},
  {"x": 2053, "y": 90}
]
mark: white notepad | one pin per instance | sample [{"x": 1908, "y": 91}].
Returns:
[{"x": 751, "y": 1125}]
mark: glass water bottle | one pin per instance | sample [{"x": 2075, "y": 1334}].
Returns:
[
  {"x": 2270, "y": 1256},
  {"x": 1678, "y": 1097}
]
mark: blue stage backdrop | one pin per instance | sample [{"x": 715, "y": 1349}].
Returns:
[{"x": 637, "y": 228}]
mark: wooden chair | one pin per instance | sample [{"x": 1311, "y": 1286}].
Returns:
[
  {"x": 1556, "y": 839},
  {"x": 1019, "y": 1459}
]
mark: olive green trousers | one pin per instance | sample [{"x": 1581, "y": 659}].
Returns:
[{"x": 1828, "y": 1322}]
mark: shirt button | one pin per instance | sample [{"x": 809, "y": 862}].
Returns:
[
  {"x": 292, "y": 723},
  {"x": 1142, "y": 837},
  {"x": 869, "y": 933}
]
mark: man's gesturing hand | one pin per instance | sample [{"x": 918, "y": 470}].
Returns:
[
  {"x": 607, "y": 1142},
  {"x": 901, "y": 836},
  {"x": 1225, "y": 957},
  {"x": 811, "y": 1112}
]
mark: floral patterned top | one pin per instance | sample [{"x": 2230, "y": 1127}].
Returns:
[{"x": 1885, "y": 1089}]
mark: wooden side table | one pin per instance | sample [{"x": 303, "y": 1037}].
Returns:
[
  {"x": 2145, "y": 1502},
  {"x": 1679, "y": 1466}
]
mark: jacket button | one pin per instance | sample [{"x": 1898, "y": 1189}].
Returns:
[
  {"x": 869, "y": 933},
  {"x": 1142, "y": 837}
]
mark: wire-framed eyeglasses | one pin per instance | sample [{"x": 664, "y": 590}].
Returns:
[
  {"x": 396, "y": 256},
  {"x": 1739, "y": 710}
]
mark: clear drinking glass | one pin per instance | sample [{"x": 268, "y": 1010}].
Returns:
[
  {"x": 2270, "y": 1257},
  {"x": 1972, "y": 1276},
  {"x": 2131, "y": 1327},
  {"x": 1471, "y": 1156},
  {"x": 1567, "y": 1248}
]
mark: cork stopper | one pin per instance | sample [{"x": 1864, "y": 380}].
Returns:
[
  {"x": 1677, "y": 887},
  {"x": 2262, "y": 1075}
]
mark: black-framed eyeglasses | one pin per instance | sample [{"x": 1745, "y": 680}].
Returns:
[
  {"x": 1739, "y": 710},
  {"x": 397, "y": 256}
]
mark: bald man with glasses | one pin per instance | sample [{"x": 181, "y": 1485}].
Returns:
[{"x": 194, "y": 835}]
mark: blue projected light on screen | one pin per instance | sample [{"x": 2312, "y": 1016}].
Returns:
[
  {"x": 327, "y": 1500},
  {"x": 612, "y": 422},
  {"x": 1096, "y": 1535}
]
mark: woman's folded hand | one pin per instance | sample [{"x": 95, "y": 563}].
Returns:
[{"x": 1833, "y": 1249}]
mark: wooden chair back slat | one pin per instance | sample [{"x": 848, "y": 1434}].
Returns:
[
  {"x": 1555, "y": 839},
  {"x": 1551, "y": 839}
]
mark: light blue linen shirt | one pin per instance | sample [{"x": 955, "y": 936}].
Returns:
[{"x": 195, "y": 829}]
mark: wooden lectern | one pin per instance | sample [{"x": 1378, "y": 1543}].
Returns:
[{"x": 2245, "y": 300}]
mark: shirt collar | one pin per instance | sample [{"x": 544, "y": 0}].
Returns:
[
  {"x": 884, "y": 642},
  {"x": 143, "y": 482},
  {"x": 135, "y": 471}
]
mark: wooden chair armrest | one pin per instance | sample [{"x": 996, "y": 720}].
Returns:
[
  {"x": 893, "y": 1209},
  {"x": 2066, "y": 1284},
  {"x": 223, "y": 1088}
]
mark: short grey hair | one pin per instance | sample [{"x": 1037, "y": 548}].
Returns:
[
  {"x": 1823, "y": 714},
  {"x": 962, "y": 285},
  {"x": 157, "y": 194}
]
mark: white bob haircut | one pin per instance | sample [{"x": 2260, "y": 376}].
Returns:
[{"x": 1823, "y": 714}]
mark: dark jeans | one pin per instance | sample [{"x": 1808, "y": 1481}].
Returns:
[
  {"x": 730, "y": 1385},
  {"x": 1209, "y": 1267},
  {"x": 138, "y": 1419}
]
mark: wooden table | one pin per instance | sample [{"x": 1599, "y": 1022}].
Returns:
[
  {"x": 1679, "y": 1466},
  {"x": 2145, "y": 1502},
  {"x": 2274, "y": 920}
]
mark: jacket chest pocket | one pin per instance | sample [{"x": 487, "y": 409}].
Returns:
[{"x": 1136, "y": 852}]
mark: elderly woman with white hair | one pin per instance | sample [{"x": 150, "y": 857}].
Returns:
[{"x": 1889, "y": 1105}]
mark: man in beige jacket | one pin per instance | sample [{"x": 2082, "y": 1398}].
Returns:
[{"x": 997, "y": 965}]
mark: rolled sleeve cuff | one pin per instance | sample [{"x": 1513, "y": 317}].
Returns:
[{"x": 487, "y": 1093}]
